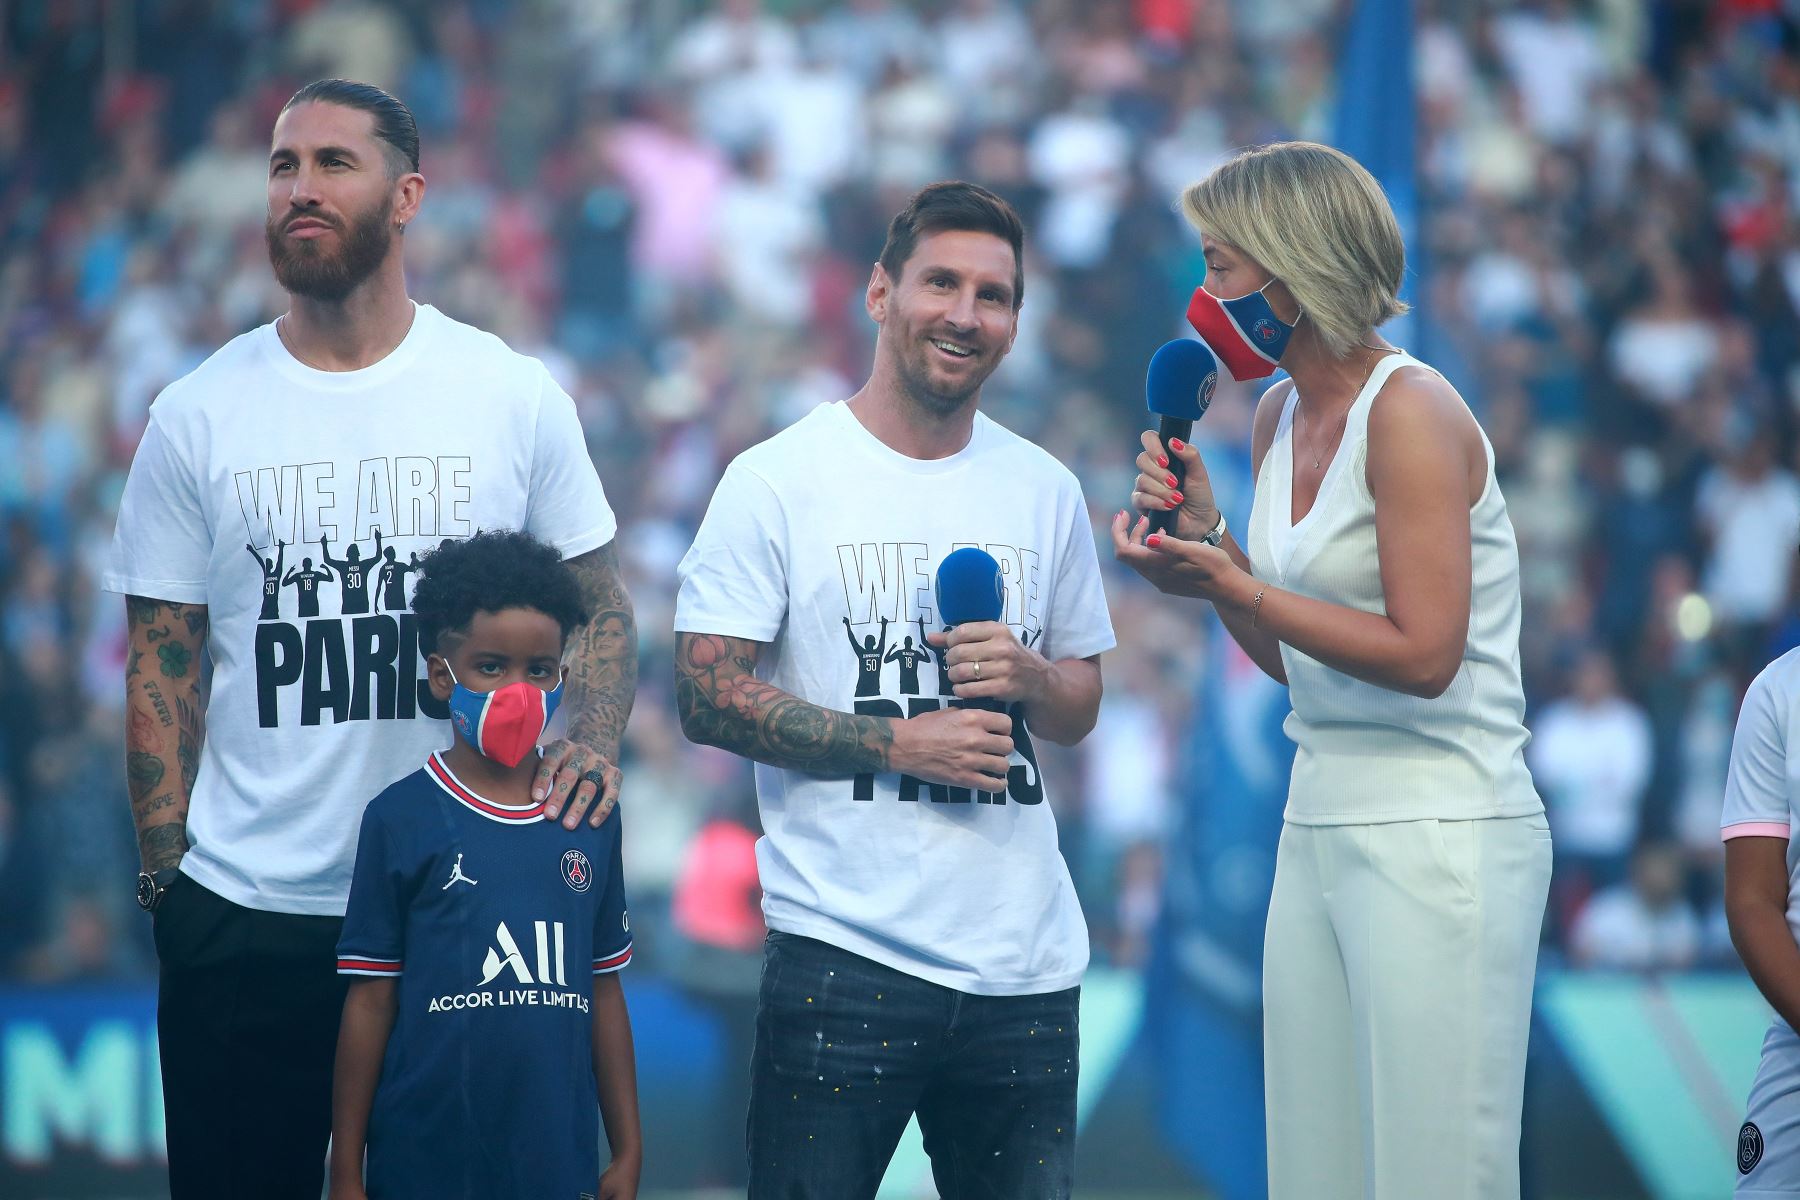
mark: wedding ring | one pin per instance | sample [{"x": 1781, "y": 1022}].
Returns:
[{"x": 978, "y": 670}]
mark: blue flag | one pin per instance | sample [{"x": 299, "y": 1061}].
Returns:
[{"x": 1377, "y": 125}]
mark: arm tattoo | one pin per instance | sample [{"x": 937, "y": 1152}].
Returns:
[
  {"x": 191, "y": 735},
  {"x": 165, "y": 723},
  {"x": 143, "y": 772},
  {"x": 723, "y": 704},
  {"x": 162, "y": 706},
  {"x": 143, "y": 808},
  {"x": 603, "y": 655},
  {"x": 163, "y": 845}
]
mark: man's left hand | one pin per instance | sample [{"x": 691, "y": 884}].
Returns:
[
  {"x": 570, "y": 778},
  {"x": 987, "y": 663}
]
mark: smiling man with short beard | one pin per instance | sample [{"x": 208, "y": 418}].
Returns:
[
  {"x": 926, "y": 948},
  {"x": 367, "y": 425}
]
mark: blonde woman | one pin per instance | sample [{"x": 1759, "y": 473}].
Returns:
[{"x": 1379, "y": 580}]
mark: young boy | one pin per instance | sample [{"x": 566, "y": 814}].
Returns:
[{"x": 478, "y": 1034}]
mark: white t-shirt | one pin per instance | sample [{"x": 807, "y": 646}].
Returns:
[
  {"x": 1754, "y": 526},
  {"x": 1618, "y": 930},
  {"x": 1593, "y": 763},
  {"x": 1762, "y": 788},
  {"x": 823, "y": 524},
  {"x": 318, "y": 694}
]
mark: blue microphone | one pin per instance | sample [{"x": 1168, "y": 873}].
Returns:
[
  {"x": 1179, "y": 388},
  {"x": 969, "y": 587}
]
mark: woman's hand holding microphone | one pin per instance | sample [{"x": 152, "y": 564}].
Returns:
[{"x": 1179, "y": 562}]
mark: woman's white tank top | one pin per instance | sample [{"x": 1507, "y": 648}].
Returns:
[{"x": 1366, "y": 753}]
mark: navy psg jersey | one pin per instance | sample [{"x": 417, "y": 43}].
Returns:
[{"x": 494, "y": 920}]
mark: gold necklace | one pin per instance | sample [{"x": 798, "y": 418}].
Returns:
[
  {"x": 1343, "y": 420},
  {"x": 281, "y": 334}
]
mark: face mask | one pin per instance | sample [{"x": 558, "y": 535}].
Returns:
[
  {"x": 1245, "y": 333},
  {"x": 503, "y": 724}
]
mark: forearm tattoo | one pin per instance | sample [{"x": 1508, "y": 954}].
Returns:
[
  {"x": 603, "y": 658},
  {"x": 161, "y": 846},
  {"x": 165, "y": 722},
  {"x": 723, "y": 704}
]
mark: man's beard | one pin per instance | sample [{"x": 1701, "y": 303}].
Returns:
[
  {"x": 304, "y": 269},
  {"x": 915, "y": 378}
]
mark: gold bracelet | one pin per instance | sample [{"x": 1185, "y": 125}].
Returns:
[{"x": 1256, "y": 605}]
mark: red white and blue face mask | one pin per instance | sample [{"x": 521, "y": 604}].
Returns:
[
  {"x": 1245, "y": 332},
  {"x": 506, "y": 723}
]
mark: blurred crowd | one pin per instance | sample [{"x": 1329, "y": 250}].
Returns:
[{"x": 676, "y": 205}]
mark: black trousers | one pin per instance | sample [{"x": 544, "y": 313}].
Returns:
[{"x": 247, "y": 1021}]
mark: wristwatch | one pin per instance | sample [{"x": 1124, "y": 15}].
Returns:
[
  {"x": 1217, "y": 533},
  {"x": 152, "y": 884}
]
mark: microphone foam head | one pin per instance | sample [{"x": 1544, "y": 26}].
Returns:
[
  {"x": 969, "y": 587},
  {"x": 1181, "y": 379}
]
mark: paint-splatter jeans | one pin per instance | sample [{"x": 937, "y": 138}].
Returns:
[{"x": 848, "y": 1049}]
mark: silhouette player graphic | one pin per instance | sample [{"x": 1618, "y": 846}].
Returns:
[
  {"x": 457, "y": 876},
  {"x": 940, "y": 657},
  {"x": 869, "y": 654},
  {"x": 353, "y": 574},
  {"x": 307, "y": 581},
  {"x": 271, "y": 588},
  {"x": 908, "y": 657},
  {"x": 391, "y": 577}
]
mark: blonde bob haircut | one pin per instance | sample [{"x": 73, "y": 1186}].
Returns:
[{"x": 1316, "y": 220}]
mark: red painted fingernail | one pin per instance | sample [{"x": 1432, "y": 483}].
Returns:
[
  {"x": 1171, "y": 503},
  {"x": 1178, "y": 497},
  {"x": 1154, "y": 539},
  {"x": 1171, "y": 481},
  {"x": 1162, "y": 460},
  {"x": 1177, "y": 444}
]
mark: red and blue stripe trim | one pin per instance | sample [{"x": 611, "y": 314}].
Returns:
[
  {"x": 612, "y": 962},
  {"x": 353, "y": 964},
  {"x": 507, "y": 814}
]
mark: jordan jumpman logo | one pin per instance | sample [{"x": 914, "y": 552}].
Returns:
[{"x": 457, "y": 876}]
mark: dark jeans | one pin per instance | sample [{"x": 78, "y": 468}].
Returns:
[
  {"x": 247, "y": 1021},
  {"x": 847, "y": 1050}
]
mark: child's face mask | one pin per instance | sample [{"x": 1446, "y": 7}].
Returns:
[{"x": 503, "y": 724}]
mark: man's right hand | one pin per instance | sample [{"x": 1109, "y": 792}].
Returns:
[{"x": 961, "y": 747}]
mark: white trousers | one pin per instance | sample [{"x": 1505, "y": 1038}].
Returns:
[{"x": 1397, "y": 975}]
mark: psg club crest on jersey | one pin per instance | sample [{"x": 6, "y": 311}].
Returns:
[
  {"x": 576, "y": 871},
  {"x": 1749, "y": 1148}
]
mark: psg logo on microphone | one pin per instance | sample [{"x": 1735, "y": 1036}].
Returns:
[
  {"x": 1264, "y": 330},
  {"x": 576, "y": 872}
]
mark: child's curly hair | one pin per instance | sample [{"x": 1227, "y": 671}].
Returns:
[{"x": 489, "y": 572}]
